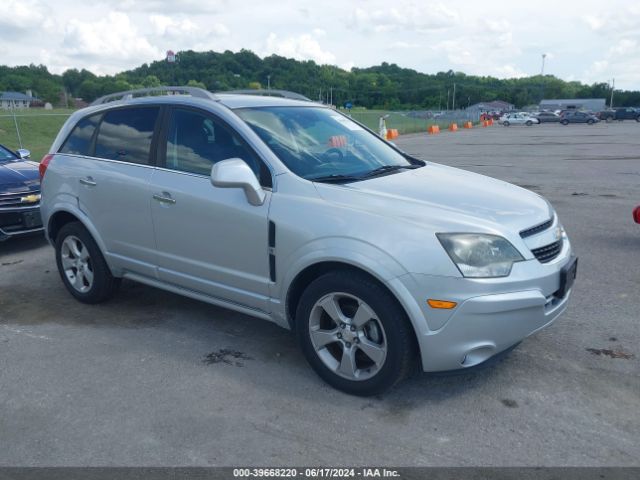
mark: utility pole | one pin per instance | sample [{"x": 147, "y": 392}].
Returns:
[
  {"x": 331, "y": 96},
  {"x": 447, "y": 99},
  {"x": 613, "y": 87},
  {"x": 544, "y": 56},
  {"x": 269, "y": 83},
  {"x": 453, "y": 101}
]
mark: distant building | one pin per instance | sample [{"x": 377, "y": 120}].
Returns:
[
  {"x": 493, "y": 106},
  {"x": 591, "y": 104},
  {"x": 171, "y": 56},
  {"x": 10, "y": 100}
]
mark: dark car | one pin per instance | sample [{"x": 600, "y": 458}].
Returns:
[
  {"x": 620, "y": 113},
  {"x": 578, "y": 117},
  {"x": 19, "y": 194},
  {"x": 548, "y": 117},
  {"x": 636, "y": 214}
]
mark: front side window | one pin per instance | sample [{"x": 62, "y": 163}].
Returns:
[
  {"x": 195, "y": 141},
  {"x": 125, "y": 134},
  {"x": 317, "y": 143},
  {"x": 79, "y": 141}
]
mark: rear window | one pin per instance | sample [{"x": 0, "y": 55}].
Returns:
[
  {"x": 125, "y": 134},
  {"x": 79, "y": 142}
]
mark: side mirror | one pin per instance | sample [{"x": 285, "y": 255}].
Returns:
[
  {"x": 23, "y": 153},
  {"x": 235, "y": 173}
]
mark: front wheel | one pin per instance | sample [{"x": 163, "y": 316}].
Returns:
[
  {"x": 565, "y": 122},
  {"x": 590, "y": 122},
  {"x": 354, "y": 334},
  {"x": 638, "y": 118},
  {"x": 529, "y": 123},
  {"x": 81, "y": 265},
  {"x": 506, "y": 124}
]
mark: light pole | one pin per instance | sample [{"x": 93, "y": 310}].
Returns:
[
  {"x": 268, "y": 83},
  {"x": 544, "y": 56}
]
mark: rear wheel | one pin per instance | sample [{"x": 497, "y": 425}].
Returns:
[
  {"x": 81, "y": 265},
  {"x": 564, "y": 122},
  {"x": 354, "y": 334},
  {"x": 506, "y": 123},
  {"x": 638, "y": 118},
  {"x": 529, "y": 123},
  {"x": 590, "y": 122}
]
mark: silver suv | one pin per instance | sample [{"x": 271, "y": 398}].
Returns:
[{"x": 292, "y": 212}]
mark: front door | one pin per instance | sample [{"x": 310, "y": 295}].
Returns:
[{"x": 209, "y": 240}]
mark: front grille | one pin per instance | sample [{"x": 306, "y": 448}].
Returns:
[
  {"x": 548, "y": 252},
  {"x": 14, "y": 200},
  {"x": 537, "y": 229}
]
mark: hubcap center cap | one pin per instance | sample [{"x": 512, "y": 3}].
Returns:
[{"x": 348, "y": 335}]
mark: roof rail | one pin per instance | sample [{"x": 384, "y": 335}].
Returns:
[
  {"x": 152, "y": 91},
  {"x": 270, "y": 93}
]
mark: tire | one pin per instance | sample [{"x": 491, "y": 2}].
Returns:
[
  {"x": 609, "y": 119},
  {"x": 333, "y": 342},
  {"x": 638, "y": 118},
  {"x": 81, "y": 265},
  {"x": 564, "y": 122},
  {"x": 529, "y": 123},
  {"x": 590, "y": 122},
  {"x": 506, "y": 123}
]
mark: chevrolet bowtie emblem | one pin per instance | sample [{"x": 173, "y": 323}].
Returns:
[{"x": 30, "y": 198}]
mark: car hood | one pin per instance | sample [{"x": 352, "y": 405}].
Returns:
[
  {"x": 444, "y": 199},
  {"x": 19, "y": 176}
]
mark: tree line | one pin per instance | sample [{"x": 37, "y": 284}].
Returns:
[{"x": 386, "y": 86}]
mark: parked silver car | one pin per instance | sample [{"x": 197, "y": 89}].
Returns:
[{"x": 289, "y": 211}]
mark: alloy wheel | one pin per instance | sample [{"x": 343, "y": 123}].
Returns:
[
  {"x": 76, "y": 264},
  {"x": 348, "y": 336}
]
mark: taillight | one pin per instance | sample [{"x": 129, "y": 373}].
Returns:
[
  {"x": 44, "y": 163},
  {"x": 636, "y": 214}
]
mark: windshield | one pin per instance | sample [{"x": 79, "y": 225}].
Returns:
[
  {"x": 6, "y": 154},
  {"x": 320, "y": 144}
]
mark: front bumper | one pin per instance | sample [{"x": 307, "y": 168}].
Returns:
[
  {"x": 491, "y": 315},
  {"x": 20, "y": 221}
]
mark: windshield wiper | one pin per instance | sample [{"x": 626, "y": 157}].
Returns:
[
  {"x": 388, "y": 168},
  {"x": 335, "y": 178}
]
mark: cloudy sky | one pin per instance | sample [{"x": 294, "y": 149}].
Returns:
[{"x": 584, "y": 40}]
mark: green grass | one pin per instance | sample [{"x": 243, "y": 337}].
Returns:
[
  {"x": 403, "y": 123},
  {"x": 38, "y": 128}
]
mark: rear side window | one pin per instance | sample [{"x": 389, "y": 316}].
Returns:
[
  {"x": 79, "y": 142},
  {"x": 125, "y": 134}
]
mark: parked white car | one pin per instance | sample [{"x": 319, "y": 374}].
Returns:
[{"x": 518, "y": 119}]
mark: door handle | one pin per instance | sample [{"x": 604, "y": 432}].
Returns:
[
  {"x": 88, "y": 181},
  {"x": 164, "y": 198}
]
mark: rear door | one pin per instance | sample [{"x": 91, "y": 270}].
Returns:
[
  {"x": 209, "y": 240},
  {"x": 113, "y": 183}
]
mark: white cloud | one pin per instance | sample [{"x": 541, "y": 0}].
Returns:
[
  {"x": 109, "y": 42},
  {"x": 421, "y": 17},
  {"x": 301, "y": 47},
  {"x": 165, "y": 25},
  {"x": 20, "y": 16}
]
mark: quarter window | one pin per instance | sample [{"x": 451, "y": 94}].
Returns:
[
  {"x": 195, "y": 141},
  {"x": 79, "y": 142},
  {"x": 125, "y": 134}
]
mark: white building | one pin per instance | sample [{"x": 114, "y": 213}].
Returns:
[{"x": 10, "y": 100}]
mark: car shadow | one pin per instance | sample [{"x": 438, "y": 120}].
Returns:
[{"x": 22, "y": 243}]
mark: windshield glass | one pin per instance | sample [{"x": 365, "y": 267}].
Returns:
[
  {"x": 316, "y": 143},
  {"x": 6, "y": 154}
]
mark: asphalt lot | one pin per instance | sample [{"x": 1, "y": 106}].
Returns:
[{"x": 125, "y": 383}]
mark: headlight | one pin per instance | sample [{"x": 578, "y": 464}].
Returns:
[{"x": 480, "y": 255}]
